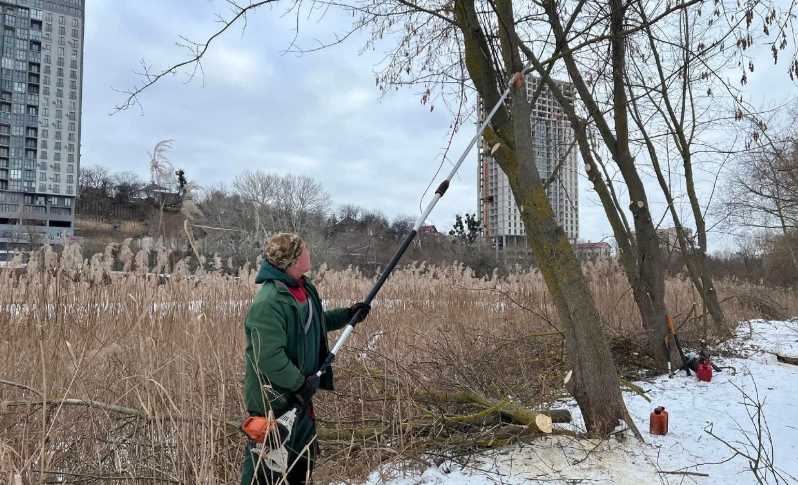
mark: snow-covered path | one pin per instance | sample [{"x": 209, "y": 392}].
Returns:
[{"x": 688, "y": 451}]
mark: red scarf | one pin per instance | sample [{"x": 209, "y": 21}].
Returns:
[{"x": 299, "y": 292}]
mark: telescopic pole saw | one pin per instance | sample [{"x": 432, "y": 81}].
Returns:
[{"x": 517, "y": 80}]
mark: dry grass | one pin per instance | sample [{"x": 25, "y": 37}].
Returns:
[
  {"x": 97, "y": 226},
  {"x": 172, "y": 350}
]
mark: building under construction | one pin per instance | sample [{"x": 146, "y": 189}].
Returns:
[{"x": 555, "y": 152}]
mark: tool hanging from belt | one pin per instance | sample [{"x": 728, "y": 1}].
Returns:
[{"x": 269, "y": 437}]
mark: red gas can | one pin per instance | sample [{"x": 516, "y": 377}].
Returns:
[
  {"x": 704, "y": 371},
  {"x": 658, "y": 421}
]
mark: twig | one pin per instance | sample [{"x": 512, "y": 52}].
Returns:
[
  {"x": 21, "y": 386},
  {"x": 87, "y": 476},
  {"x": 108, "y": 407},
  {"x": 675, "y": 472},
  {"x": 634, "y": 388},
  {"x": 198, "y": 49}
]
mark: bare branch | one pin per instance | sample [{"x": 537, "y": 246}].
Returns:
[{"x": 198, "y": 51}]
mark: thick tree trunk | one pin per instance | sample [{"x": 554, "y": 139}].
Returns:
[
  {"x": 694, "y": 259},
  {"x": 593, "y": 379},
  {"x": 652, "y": 286},
  {"x": 594, "y": 382},
  {"x": 651, "y": 308}
]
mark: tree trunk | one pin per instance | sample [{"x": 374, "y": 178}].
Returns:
[
  {"x": 694, "y": 257},
  {"x": 649, "y": 255},
  {"x": 593, "y": 381},
  {"x": 648, "y": 294}
]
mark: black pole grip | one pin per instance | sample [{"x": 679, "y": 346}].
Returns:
[
  {"x": 375, "y": 289},
  {"x": 391, "y": 265},
  {"x": 442, "y": 188},
  {"x": 327, "y": 363}
]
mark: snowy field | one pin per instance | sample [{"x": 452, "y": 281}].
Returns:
[{"x": 687, "y": 454}]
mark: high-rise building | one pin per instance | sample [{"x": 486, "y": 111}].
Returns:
[
  {"x": 41, "y": 77},
  {"x": 555, "y": 154}
]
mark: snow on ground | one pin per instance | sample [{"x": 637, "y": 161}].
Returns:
[{"x": 694, "y": 407}]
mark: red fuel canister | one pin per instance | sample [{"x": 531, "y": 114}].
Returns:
[
  {"x": 658, "y": 421},
  {"x": 704, "y": 371}
]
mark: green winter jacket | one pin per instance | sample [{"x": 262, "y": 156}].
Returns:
[{"x": 278, "y": 355}]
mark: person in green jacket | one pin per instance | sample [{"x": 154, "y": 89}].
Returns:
[{"x": 286, "y": 342}]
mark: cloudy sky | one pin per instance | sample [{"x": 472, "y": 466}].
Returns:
[{"x": 254, "y": 107}]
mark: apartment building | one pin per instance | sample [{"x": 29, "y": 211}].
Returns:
[{"x": 41, "y": 74}]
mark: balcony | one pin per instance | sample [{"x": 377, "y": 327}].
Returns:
[
  {"x": 9, "y": 209},
  {"x": 34, "y": 210},
  {"x": 60, "y": 214}
]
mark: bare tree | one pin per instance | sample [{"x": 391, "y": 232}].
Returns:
[
  {"x": 282, "y": 203},
  {"x": 349, "y": 212},
  {"x": 763, "y": 189},
  {"x": 127, "y": 186},
  {"x": 677, "y": 107},
  {"x": 259, "y": 190},
  {"x": 300, "y": 199},
  {"x": 226, "y": 228},
  {"x": 94, "y": 180},
  {"x": 598, "y": 59}
]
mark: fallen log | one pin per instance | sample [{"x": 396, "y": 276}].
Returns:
[
  {"x": 539, "y": 420},
  {"x": 787, "y": 360}
]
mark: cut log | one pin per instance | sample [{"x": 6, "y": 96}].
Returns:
[
  {"x": 509, "y": 411},
  {"x": 543, "y": 423}
]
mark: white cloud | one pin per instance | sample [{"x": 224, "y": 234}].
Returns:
[{"x": 237, "y": 67}]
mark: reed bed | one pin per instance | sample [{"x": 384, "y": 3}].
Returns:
[{"x": 126, "y": 366}]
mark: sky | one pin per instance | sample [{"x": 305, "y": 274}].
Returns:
[{"x": 254, "y": 107}]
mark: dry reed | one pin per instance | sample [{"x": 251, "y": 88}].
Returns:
[{"x": 133, "y": 375}]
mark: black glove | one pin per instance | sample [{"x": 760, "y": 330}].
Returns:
[
  {"x": 364, "y": 309},
  {"x": 308, "y": 389}
]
